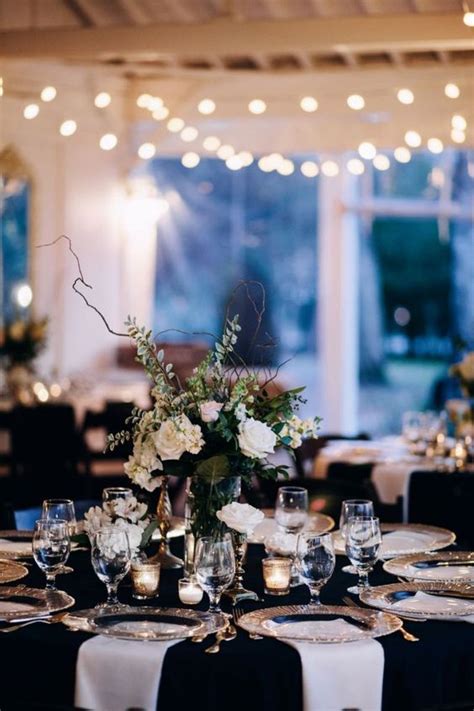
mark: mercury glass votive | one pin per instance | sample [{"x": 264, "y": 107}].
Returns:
[
  {"x": 189, "y": 591},
  {"x": 276, "y": 575},
  {"x": 145, "y": 579}
]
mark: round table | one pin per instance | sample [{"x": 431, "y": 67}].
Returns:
[{"x": 37, "y": 669}]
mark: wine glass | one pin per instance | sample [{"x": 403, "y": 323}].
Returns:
[
  {"x": 316, "y": 561},
  {"x": 51, "y": 548},
  {"x": 215, "y": 567},
  {"x": 112, "y": 493},
  {"x": 53, "y": 509},
  {"x": 111, "y": 560},
  {"x": 363, "y": 539},
  {"x": 291, "y": 508},
  {"x": 349, "y": 509},
  {"x": 412, "y": 426}
]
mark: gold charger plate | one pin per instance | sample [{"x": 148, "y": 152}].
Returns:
[
  {"x": 317, "y": 523},
  {"x": 425, "y": 538},
  {"x": 435, "y": 567},
  {"x": 435, "y": 606},
  {"x": 307, "y": 623},
  {"x": 11, "y": 571},
  {"x": 24, "y": 602}
]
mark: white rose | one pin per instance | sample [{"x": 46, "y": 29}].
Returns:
[
  {"x": 94, "y": 519},
  {"x": 134, "y": 533},
  {"x": 169, "y": 441},
  {"x": 141, "y": 476},
  {"x": 256, "y": 439},
  {"x": 242, "y": 518},
  {"x": 281, "y": 543},
  {"x": 209, "y": 411}
]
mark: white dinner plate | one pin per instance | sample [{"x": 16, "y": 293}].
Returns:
[
  {"x": 317, "y": 522},
  {"x": 440, "y": 600},
  {"x": 405, "y": 538},
  {"x": 449, "y": 566}
]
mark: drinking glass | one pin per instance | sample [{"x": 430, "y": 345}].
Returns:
[
  {"x": 291, "y": 508},
  {"x": 363, "y": 539},
  {"x": 349, "y": 509},
  {"x": 316, "y": 561},
  {"x": 63, "y": 509},
  {"x": 111, "y": 560},
  {"x": 412, "y": 426},
  {"x": 112, "y": 493},
  {"x": 51, "y": 548},
  {"x": 214, "y": 563}
]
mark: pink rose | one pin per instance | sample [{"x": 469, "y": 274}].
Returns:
[{"x": 210, "y": 410}]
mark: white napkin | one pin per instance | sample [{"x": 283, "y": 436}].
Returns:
[
  {"x": 322, "y": 628},
  {"x": 444, "y": 572},
  {"x": 425, "y": 603},
  {"x": 401, "y": 542},
  {"x": 338, "y": 676},
  {"x": 116, "y": 674}
]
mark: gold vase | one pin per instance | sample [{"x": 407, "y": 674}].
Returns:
[{"x": 163, "y": 514}]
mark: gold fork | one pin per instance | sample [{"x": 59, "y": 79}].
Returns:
[
  {"x": 405, "y": 634},
  {"x": 45, "y": 620},
  {"x": 237, "y": 612}
]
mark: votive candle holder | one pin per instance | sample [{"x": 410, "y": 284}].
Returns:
[
  {"x": 277, "y": 575},
  {"x": 145, "y": 579}
]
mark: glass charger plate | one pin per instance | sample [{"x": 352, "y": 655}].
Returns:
[
  {"x": 22, "y": 601},
  {"x": 317, "y": 523},
  {"x": 11, "y": 571},
  {"x": 449, "y": 566},
  {"x": 147, "y": 623},
  {"x": 435, "y": 600},
  {"x": 328, "y": 624},
  {"x": 405, "y": 538}
]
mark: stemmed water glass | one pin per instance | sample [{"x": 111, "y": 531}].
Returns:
[
  {"x": 291, "y": 508},
  {"x": 349, "y": 509},
  {"x": 63, "y": 509},
  {"x": 111, "y": 560},
  {"x": 51, "y": 548},
  {"x": 363, "y": 539},
  {"x": 214, "y": 563},
  {"x": 112, "y": 493},
  {"x": 316, "y": 561}
]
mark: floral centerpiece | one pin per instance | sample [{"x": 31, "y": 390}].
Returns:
[
  {"x": 124, "y": 514},
  {"x": 219, "y": 426},
  {"x": 21, "y": 341},
  {"x": 464, "y": 372},
  {"x": 462, "y": 412}
]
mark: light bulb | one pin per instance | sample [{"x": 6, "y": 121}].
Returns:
[
  {"x": 23, "y": 295},
  {"x": 309, "y": 169},
  {"x": 381, "y": 162},
  {"x": 154, "y": 103},
  {"x": 48, "y": 93},
  {"x": 468, "y": 19},
  {"x": 309, "y": 104},
  {"x": 234, "y": 163},
  {"x": 329, "y": 168},
  {"x": 355, "y": 102},
  {"x": 257, "y": 106},
  {"x": 175, "y": 125},
  {"x": 190, "y": 160},
  {"x": 402, "y": 154},
  {"x": 405, "y": 96},
  {"x": 265, "y": 164},
  {"x": 31, "y": 111},
  {"x": 108, "y": 141},
  {"x": 143, "y": 100},
  {"x": 225, "y": 151},
  {"x": 355, "y": 166},
  {"x": 286, "y": 167},
  {"x": 211, "y": 143},
  {"x": 459, "y": 122},
  {"x": 246, "y": 157},
  {"x": 458, "y": 136},
  {"x": 206, "y": 106},
  {"x": 68, "y": 128},
  {"x": 435, "y": 145},
  {"x": 146, "y": 151},
  {"x": 189, "y": 134},
  {"x": 367, "y": 150},
  {"x": 160, "y": 113},
  {"x": 102, "y": 100},
  {"x": 452, "y": 91},
  {"x": 413, "y": 139}
]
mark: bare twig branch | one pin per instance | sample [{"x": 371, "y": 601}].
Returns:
[{"x": 68, "y": 239}]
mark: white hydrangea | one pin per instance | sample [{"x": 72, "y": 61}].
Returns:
[
  {"x": 176, "y": 436},
  {"x": 94, "y": 519},
  {"x": 298, "y": 429}
]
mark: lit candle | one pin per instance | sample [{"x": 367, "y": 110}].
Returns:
[
  {"x": 276, "y": 575},
  {"x": 190, "y": 592},
  {"x": 145, "y": 580}
]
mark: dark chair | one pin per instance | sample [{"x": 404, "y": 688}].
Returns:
[
  {"x": 351, "y": 472},
  {"x": 106, "y": 464},
  {"x": 309, "y": 450},
  {"x": 445, "y": 500}
]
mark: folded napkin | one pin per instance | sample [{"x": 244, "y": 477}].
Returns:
[
  {"x": 116, "y": 674},
  {"x": 321, "y": 628},
  {"x": 425, "y": 603},
  {"x": 338, "y": 676}
]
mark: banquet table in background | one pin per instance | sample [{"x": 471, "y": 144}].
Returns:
[{"x": 39, "y": 662}]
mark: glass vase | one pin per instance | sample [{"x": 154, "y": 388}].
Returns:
[{"x": 203, "y": 500}]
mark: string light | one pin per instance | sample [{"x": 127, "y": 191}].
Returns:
[
  {"x": 309, "y": 169},
  {"x": 458, "y": 136},
  {"x": 146, "y": 151},
  {"x": 402, "y": 154},
  {"x": 330, "y": 168},
  {"x": 257, "y": 106},
  {"x": 459, "y": 122},
  {"x": 1, "y": 86},
  {"x": 246, "y": 157},
  {"x": 355, "y": 102},
  {"x": 381, "y": 162},
  {"x": 234, "y": 163},
  {"x": 452, "y": 91},
  {"x": 211, "y": 143},
  {"x": 68, "y": 128},
  {"x": 108, "y": 141},
  {"x": 206, "y": 106},
  {"x": 160, "y": 113},
  {"x": 413, "y": 139},
  {"x": 367, "y": 150},
  {"x": 31, "y": 111},
  {"x": 265, "y": 164},
  {"x": 225, "y": 151},
  {"x": 190, "y": 160},
  {"x": 154, "y": 103},
  {"x": 48, "y": 94},
  {"x": 143, "y": 100},
  {"x": 102, "y": 100},
  {"x": 286, "y": 167},
  {"x": 405, "y": 96},
  {"x": 175, "y": 125},
  {"x": 435, "y": 145},
  {"x": 468, "y": 18},
  {"x": 23, "y": 295},
  {"x": 355, "y": 166},
  {"x": 189, "y": 134},
  {"x": 309, "y": 104}
]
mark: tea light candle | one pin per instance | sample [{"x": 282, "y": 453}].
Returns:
[
  {"x": 145, "y": 580},
  {"x": 190, "y": 592},
  {"x": 276, "y": 575}
]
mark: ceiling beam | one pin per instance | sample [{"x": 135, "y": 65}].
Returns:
[{"x": 225, "y": 36}]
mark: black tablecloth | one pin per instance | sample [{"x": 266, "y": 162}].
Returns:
[{"x": 37, "y": 667}]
